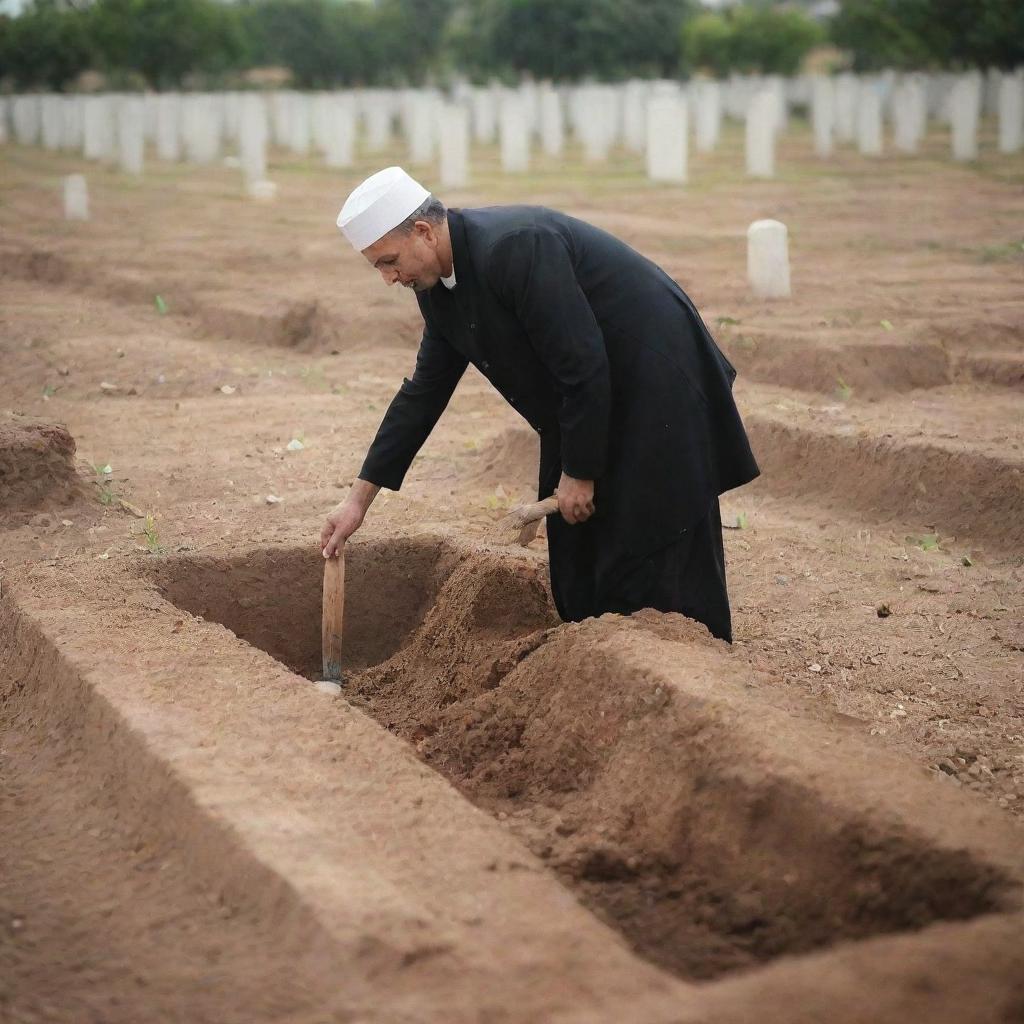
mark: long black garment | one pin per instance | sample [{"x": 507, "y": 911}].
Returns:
[{"x": 607, "y": 358}]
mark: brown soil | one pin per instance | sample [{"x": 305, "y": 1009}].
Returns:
[{"x": 506, "y": 819}]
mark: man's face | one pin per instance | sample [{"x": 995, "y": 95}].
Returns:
[{"x": 408, "y": 259}]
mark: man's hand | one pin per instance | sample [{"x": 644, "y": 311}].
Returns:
[
  {"x": 575, "y": 499},
  {"x": 347, "y": 517}
]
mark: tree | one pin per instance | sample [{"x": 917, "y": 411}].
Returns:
[
  {"x": 571, "y": 39},
  {"x": 751, "y": 39},
  {"x": 165, "y": 40},
  {"x": 920, "y": 34},
  {"x": 45, "y": 46}
]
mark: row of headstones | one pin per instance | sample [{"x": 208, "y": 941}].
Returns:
[
  {"x": 647, "y": 117},
  {"x": 767, "y": 243}
]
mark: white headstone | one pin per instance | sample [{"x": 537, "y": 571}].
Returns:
[
  {"x": 768, "y": 259},
  {"x": 253, "y": 130},
  {"x": 909, "y": 110},
  {"x": 965, "y": 110},
  {"x": 454, "y": 131},
  {"x": 52, "y": 122},
  {"x": 515, "y": 134},
  {"x": 1011, "y": 112},
  {"x": 131, "y": 138},
  {"x": 869, "y": 120},
  {"x": 26, "y": 115},
  {"x": 168, "y": 127},
  {"x": 71, "y": 133},
  {"x": 4, "y": 109},
  {"x": 98, "y": 128},
  {"x": 847, "y": 91},
  {"x": 339, "y": 143},
  {"x": 823, "y": 114},
  {"x": 200, "y": 128},
  {"x": 76, "y": 198},
  {"x": 709, "y": 115},
  {"x": 667, "y": 133},
  {"x": 634, "y": 115},
  {"x": 485, "y": 115},
  {"x": 377, "y": 115},
  {"x": 760, "y": 135},
  {"x": 300, "y": 123},
  {"x": 421, "y": 126},
  {"x": 552, "y": 129}
]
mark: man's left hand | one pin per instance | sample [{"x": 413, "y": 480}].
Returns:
[{"x": 575, "y": 499}]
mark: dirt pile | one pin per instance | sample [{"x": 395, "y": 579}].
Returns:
[{"x": 37, "y": 467}]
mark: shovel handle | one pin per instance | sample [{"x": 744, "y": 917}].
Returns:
[{"x": 333, "y": 614}]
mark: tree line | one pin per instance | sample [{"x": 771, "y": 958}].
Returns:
[{"x": 163, "y": 44}]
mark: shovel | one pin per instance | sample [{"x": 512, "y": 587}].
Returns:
[
  {"x": 333, "y": 615},
  {"x": 521, "y": 524}
]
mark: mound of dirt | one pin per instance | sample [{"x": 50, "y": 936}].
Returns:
[
  {"x": 37, "y": 465},
  {"x": 510, "y": 460}
]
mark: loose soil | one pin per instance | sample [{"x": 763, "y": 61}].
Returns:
[{"x": 583, "y": 848}]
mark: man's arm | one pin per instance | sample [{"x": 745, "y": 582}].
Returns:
[{"x": 410, "y": 418}]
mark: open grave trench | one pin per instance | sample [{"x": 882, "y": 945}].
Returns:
[{"x": 707, "y": 846}]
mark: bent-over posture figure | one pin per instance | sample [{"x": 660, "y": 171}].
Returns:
[{"x": 603, "y": 354}]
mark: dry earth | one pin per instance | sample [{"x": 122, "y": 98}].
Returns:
[{"x": 506, "y": 819}]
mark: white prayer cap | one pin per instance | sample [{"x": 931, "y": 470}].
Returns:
[{"x": 379, "y": 205}]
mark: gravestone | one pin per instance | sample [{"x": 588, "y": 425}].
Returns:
[
  {"x": 26, "y": 116},
  {"x": 421, "y": 123},
  {"x": 299, "y": 123},
  {"x": 515, "y": 134},
  {"x": 869, "y": 119},
  {"x": 72, "y": 129},
  {"x": 168, "y": 127},
  {"x": 708, "y": 101},
  {"x": 484, "y": 104},
  {"x": 76, "y": 198},
  {"x": 823, "y": 114},
  {"x": 52, "y": 123},
  {"x": 667, "y": 132},
  {"x": 377, "y": 119},
  {"x": 847, "y": 91},
  {"x": 339, "y": 143},
  {"x": 634, "y": 115},
  {"x": 760, "y": 135},
  {"x": 253, "y": 131},
  {"x": 130, "y": 134},
  {"x": 909, "y": 110},
  {"x": 454, "y": 138},
  {"x": 98, "y": 128},
  {"x": 1011, "y": 112},
  {"x": 200, "y": 129},
  {"x": 965, "y": 110},
  {"x": 552, "y": 129},
  {"x": 768, "y": 259}
]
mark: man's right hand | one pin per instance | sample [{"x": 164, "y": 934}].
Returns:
[
  {"x": 347, "y": 517},
  {"x": 340, "y": 525}
]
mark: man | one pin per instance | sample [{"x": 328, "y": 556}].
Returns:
[{"x": 606, "y": 358}]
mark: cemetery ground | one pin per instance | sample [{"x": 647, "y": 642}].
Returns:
[{"x": 506, "y": 819}]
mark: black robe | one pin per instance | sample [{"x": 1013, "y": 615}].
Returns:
[{"x": 605, "y": 357}]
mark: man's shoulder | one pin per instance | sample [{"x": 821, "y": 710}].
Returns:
[{"x": 487, "y": 224}]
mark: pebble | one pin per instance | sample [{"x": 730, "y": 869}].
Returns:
[
  {"x": 782, "y": 580},
  {"x": 326, "y": 686}
]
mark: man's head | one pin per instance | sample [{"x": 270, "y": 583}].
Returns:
[{"x": 400, "y": 228}]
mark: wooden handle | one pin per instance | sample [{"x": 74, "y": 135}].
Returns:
[
  {"x": 334, "y": 614},
  {"x": 538, "y": 510}
]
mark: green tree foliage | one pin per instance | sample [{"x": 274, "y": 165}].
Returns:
[
  {"x": 750, "y": 39},
  {"x": 917, "y": 34},
  {"x": 45, "y": 46},
  {"x": 570, "y": 39},
  {"x": 165, "y": 40}
]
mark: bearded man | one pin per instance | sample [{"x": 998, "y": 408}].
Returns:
[{"x": 606, "y": 358}]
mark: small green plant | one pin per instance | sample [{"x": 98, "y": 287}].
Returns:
[
  {"x": 152, "y": 539},
  {"x": 843, "y": 390},
  {"x": 49, "y": 390},
  {"x": 161, "y": 306},
  {"x": 886, "y": 324},
  {"x": 929, "y": 542},
  {"x": 726, "y": 321},
  {"x": 104, "y": 483},
  {"x": 1001, "y": 253}
]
